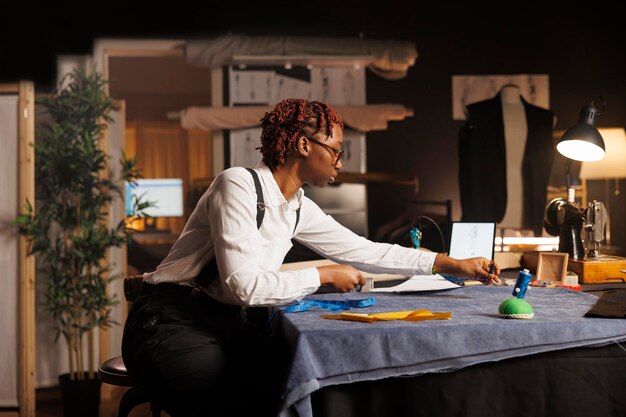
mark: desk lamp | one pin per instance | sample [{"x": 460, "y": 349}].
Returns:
[{"x": 582, "y": 142}]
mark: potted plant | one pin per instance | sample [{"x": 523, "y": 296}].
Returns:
[{"x": 68, "y": 230}]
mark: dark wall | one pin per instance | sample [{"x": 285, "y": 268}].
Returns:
[{"x": 580, "y": 48}]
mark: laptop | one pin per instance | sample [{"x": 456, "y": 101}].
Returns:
[{"x": 470, "y": 240}]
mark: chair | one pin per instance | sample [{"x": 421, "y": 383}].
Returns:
[{"x": 113, "y": 371}]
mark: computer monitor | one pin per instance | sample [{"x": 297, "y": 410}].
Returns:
[{"x": 165, "y": 193}]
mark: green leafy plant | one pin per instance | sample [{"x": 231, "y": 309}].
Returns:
[{"x": 68, "y": 230}]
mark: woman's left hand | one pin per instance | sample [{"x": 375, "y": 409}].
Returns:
[{"x": 479, "y": 268}]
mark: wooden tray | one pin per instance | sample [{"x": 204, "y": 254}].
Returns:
[{"x": 604, "y": 268}]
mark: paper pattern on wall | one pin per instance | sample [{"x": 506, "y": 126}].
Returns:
[
  {"x": 335, "y": 86},
  {"x": 339, "y": 86},
  {"x": 251, "y": 87},
  {"x": 354, "y": 156},
  {"x": 242, "y": 147},
  {"x": 282, "y": 87}
]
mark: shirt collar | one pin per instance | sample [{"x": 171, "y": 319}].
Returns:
[{"x": 273, "y": 196}]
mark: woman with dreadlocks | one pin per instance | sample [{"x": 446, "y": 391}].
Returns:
[{"x": 180, "y": 334}]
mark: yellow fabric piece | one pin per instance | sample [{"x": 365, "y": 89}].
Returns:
[{"x": 411, "y": 315}]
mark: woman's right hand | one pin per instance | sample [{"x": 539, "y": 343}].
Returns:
[{"x": 343, "y": 277}]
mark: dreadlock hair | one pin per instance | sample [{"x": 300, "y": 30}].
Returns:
[{"x": 290, "y": 119}]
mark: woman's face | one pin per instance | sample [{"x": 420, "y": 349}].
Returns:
[{"x": 324, "y": 160}]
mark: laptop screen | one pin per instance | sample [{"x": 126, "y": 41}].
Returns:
[{"x": 471, "y": 239}]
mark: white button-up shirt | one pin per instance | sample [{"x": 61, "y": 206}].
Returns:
[{"x": 223, "y": 225}]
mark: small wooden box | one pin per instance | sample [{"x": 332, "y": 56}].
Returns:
[{"x": 552, "y": 266}]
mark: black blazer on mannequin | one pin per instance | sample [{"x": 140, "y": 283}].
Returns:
[{"x": 482, "y": 163}]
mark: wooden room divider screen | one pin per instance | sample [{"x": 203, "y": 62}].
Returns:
[{"x": 17, "y": 281}]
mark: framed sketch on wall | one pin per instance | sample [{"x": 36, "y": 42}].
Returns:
[{"x": 468, "y": 89}]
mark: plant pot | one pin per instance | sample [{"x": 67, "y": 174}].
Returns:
[{"x": 80, "y": 398}]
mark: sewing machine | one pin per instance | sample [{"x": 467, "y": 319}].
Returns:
[{"x": 571, "y": 222}]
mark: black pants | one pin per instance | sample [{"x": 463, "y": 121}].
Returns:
[{"x": 199, "y": 357}]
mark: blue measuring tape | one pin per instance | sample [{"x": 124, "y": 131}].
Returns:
[{"x": 332, "y": 305}]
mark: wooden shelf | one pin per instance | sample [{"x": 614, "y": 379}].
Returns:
[{"x": 380, "y": 177}]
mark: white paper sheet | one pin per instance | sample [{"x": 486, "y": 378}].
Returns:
[{"x": 412, "y": 284}]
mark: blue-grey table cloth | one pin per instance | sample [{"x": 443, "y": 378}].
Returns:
[{"x": 329, "y": 352}]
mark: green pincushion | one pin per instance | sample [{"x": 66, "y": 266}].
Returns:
[{"x": 516, "y": 308}]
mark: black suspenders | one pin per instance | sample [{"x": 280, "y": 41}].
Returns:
[
  {"x": 210, "y": 270},
  {"x": 260, "y": 202}
]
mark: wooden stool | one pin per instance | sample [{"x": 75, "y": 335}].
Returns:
[{"x": 114, "y": 372}]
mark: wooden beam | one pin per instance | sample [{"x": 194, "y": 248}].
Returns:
[
  {"x": 144, "y": 53},
  {"x": 104, "y": 352},
  {"x": 26, "y": 109}
]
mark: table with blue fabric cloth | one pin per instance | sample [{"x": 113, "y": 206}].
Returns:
[{"x": 331, "y": 352}]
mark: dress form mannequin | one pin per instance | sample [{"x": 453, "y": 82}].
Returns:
[
  {"x": 515, "y": 133},
  {"x": 489, "y": 163}
]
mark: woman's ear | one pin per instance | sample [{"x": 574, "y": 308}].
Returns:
[{"x": 303, "y": 146}]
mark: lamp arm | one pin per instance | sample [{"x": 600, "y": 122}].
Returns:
[
  {"x": 597, "y": 99},
  {"x": 567, "y": 166}
]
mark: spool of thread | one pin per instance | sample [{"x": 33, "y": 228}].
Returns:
[{"x": 523, "y": 279}]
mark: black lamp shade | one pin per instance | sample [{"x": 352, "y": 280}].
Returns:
[{"x": 583, "y": 142}]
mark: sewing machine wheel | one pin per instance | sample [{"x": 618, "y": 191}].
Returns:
[{"x": 551, "y": 219}]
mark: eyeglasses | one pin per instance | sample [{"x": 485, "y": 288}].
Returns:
[{"x": 337, "y": 152}]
